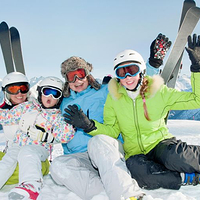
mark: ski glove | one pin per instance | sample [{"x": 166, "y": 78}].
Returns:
[
  {"x": 158, "y": 50},
  {"x": 39, "y": 134},
  {"x": 193, "y": 50},
  {"x": 78, "y": 119}
]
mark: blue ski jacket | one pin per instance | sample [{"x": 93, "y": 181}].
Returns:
[{"x": 92, "y": 103}]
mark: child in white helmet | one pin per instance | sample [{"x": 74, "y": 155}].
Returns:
[
  {"x": 40, "y": 125},
  {"x": 11, "y": 99}
]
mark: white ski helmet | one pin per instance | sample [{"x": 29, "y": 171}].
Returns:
[
  {"x": 14, "y": 77},
  {"x": 129, "y": 55},
  {"x": 52, "y": 82}
]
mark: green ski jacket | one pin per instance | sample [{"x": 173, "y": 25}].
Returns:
[{"x": 125, "y": 115}]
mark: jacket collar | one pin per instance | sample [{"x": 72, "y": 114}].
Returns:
[
  {"x": 44, "y": 110},
  {"x": 116, "y": 90},
  {"x": 74, "y": 94}
]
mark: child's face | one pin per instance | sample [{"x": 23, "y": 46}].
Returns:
[
  {"x": 130, "y": 82},
  {"x": 16, "y": 99},
  {"x": 79, "y": 85},
  {"x": 49, "y": 101}
]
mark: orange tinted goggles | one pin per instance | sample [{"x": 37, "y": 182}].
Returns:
[
  {"x": 79, "y": 73},
  {"x": 15, "y": 89}
]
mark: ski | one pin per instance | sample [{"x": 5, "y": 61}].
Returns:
[
  {"x": 16, "y": 50},
  {"x": 191, "y": 18},
  {"x": 172, "y": 81},
  {"x": 6, "y": 47}
]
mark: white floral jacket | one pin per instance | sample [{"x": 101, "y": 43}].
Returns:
[{"x": 33, "y": 114}]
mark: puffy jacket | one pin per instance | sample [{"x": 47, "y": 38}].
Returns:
[
  {"x": 9, "y": 131},
  {"x": 91, "y": 102},
  {"x": 125, "y": 115},
  {"x": 31, "y": 113}
]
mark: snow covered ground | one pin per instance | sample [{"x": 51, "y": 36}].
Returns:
[{"x": 185, "y": 130}]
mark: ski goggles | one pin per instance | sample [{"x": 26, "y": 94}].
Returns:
[
  {"x": 79, "y": 73},
  {"x": 127, "y": 70},
  {"x": 55, "y": 93},
  {"x": 17, "y": 88}
]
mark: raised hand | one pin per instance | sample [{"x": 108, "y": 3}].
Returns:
[
  {"x": 158, "y": 50},
  {"x": 193, "y": 50}
]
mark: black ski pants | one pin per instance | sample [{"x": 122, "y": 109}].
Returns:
[{"x": 162, "y": 166}]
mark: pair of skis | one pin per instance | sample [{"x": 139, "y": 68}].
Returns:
[
  {"x": 189, "y": 18},
  {"x": 11, "y": 48}
]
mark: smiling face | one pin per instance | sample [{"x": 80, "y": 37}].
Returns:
[
  {"x": 130, "y": 82},
  {"x": 79, "y": 85},
  {"x": 16, "y": 99},
  {"x": 49, "y": 101}
]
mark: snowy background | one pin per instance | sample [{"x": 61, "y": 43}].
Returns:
[{"x": 186, "y": 130}]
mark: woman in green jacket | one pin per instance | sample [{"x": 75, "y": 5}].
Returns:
[{"x": 137, "y": 107}]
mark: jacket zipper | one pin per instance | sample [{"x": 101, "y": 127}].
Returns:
[{"x": 137, "y": 127}]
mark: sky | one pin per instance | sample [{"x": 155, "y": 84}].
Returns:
[{"x": 53, "y": 30}]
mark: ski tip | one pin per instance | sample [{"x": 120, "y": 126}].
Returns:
[
  {"x": 13, "y": 28},
  {"x": 193, "y": 12},
  {"x": 14, "y": 33},
  {"x": 191, "y": 1},
  {"x": 3, "y": 26},
  {"x": 188, "y": 4},
  {"x": 3, "y": 23}
]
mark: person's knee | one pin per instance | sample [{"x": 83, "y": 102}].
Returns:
[
  {"x": 99, "y": 142},
  {"x": 94, "y": 141},
  {"x": 152, "y": 175},
  {"x": 97, "y": 139}
]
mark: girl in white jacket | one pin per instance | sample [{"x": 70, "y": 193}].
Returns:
[
  {"x": 22, "y": 93},
  {"x": 40, "y": 125}
]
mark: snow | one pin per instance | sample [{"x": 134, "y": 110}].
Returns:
[{"x": 186, "y": 130}]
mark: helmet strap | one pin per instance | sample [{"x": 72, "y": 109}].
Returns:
[{"x": 7, "y": 98}]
